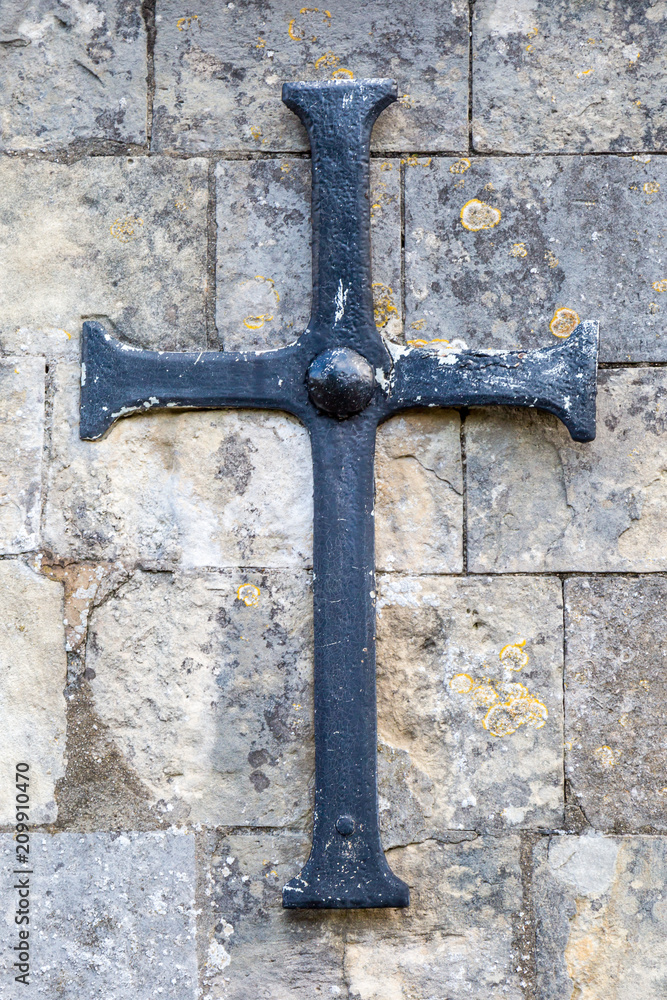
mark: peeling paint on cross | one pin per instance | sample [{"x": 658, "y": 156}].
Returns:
[{"x": 341, "y": 381}]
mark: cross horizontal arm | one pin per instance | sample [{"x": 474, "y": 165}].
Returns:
[
  {"x": 559, "y": 379},
  {"x": 117, "y": 380}
]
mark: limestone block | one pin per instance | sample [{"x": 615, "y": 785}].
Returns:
[
  {"x": 537, "y": 501},
  {"x": 264, "y": 250},
  {"x": 198, "y": 488},
  {"x": 562, "y": 77},
  {"x": 601, "y": 917},
  {"x": 112, "y": 915},
  {"x": 21, "y": 442},
  {"x": 119, "y": 240},
  {"x": 616, "y": 700},
  {"x": 72, "y": 71},
  {"x": 419, "y": 502},
  {"x": 33, "y": 669},
  {"x": 205, "y": 684},
  {"x": 455, "y": 940},
  {"x": 219, "y": 71},
  {"x": 469, "y": 704},
  {"x": 582, "y": 234},
  {"x": 254, "y": 948}
]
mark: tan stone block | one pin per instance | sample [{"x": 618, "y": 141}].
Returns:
[
  {"x": 264, "y": 246},
  {"x": 616, "y": 701},
  {"x": 601, "y": 917},
  {"x": 469, "y": 704},
  {"x": 204, "y": 682},
  {"x": 537, "y": 501},
  {"x": 121, "y": 240},
  {"x": 21, "y": 443},
  {"x": 33, "y": 671},
  {"x": 419, "y": 493},
  {"x": 199, "y": 489}
]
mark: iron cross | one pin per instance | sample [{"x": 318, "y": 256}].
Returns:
[{"x": 341, "y": 380}]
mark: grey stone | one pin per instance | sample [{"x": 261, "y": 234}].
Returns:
[
  {"x": 568, "y": 76},
  {"x": 616, "y": 701},
  {"x": 196, "y": 489},
  {"x": 223, "y": 732},
  {"x": 21, "y": 443},
  {"x": 264, "y": 243},
  {"x": 32, "y": 669},
  {"x": 455, "y": 940},
  {"x": 538, "y": 502},
  {"x": 585, "y": 234},
  {"x": 112, "y": 917},
  {"x": 419, "y": 494},
  {"x": 72, "y": 71},
  {"x": 469, "y": 704},
  {"x": 601, "y": 917},
  {"x": 219, "y": 71},
  {"x": 120, "y": 240}
]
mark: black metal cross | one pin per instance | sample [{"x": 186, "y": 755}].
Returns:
[{"x": 340, "y": 380}]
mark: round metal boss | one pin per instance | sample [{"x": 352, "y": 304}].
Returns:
[{"x": 340, "y": 381}]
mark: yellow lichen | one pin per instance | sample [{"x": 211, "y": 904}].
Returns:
[
  {"x": 293, "y": 28},
  {"x": 462, "y": 683},
  {"x": 460, "y": 166},
  {"x": 506, "y": 717},
  {"x": 185, "y": 23},
  {"x": 414, "y": 161},
  {"x": 651, "y": 187},
  {"x": 606, "y": 756},
  {"x": 518, "y": 250},
  {"x": 660, "y": 286},
  {"x": 249, "y": 594},
  {"x": 418, "y": 324},
  {"x": 257, "y": 322},
  {"x": 483, "y": 694},
  {"x": 551, "y": 258},
  {"x": 513, "y": 656},
  {"x": 383, "y": 304},
  {"x": 342, "y": 73},
  {"x": 564, "y": 322},
  {"x": 477, "y": 215},
  {"x": 126, "y": 229}
]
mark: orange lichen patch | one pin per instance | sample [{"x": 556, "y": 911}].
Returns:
[
  {"x": 477, "y": 215},
  {"x": 383, "y": 304},
  {"x": 483, "y": 694},
  {"x": 564, "y": 322},
  {"x": 342, "y": 73},
  {"x": 327, "y": 59},
  {"x": 584, "y": 72},
  {"x": 418, "y": 324},
  {"x": 606, "y": 756},
  {"x": 440, "y": 344},
  {"x": 261, "y": 42},
  {"x": 506, "y": 717},
  {"x": 551, "y": 258},
  {"x": 293, "y": 28},
  {"x": 256, "y": 322},
  {"x": 285, "y": 168},
  {"x": 407, "y": 101},
  {"x": 518, "y": 250},
  {"x": 660, "y": 286},
  {"x": 460, "y": 166},
  {"x": 386, "y": 165},
  {"x": 185, "y": 23},
  {"x": 414, "y": 161},
  {"x": 642, "y": 158},
  {"x": 651, "y": 187},
  {"x": 126, "y": 229},
  {"x": 462, "y": 683},
  {"x": 249, "y": 594},
  {"x": 513, "y": 656}
]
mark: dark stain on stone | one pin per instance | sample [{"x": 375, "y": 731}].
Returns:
[{"x": 259, "y": 781}]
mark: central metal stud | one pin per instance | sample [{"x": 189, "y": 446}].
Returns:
[{"x": 340, "y": 382}]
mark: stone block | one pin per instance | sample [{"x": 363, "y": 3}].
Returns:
[
  {"x": 469, "y": 704},
  {"x": 204, "y": 682},
  {"x": 112, "y": 915},
  {"x": 616, "y": 701},
  {"x": 21, "y": 443},
  {"x": 419, "y": 493},
  {"x": 582, "y": 234},
  {"x": 455, "y": 940},
  {"x": 119, "y": 240},
  {"x": 600, "y": 917},
  {"x": 264, "y": 248},
  {"x": 196, "y": 489},
  {"x": 254, "y": 948},
  {"x": 72, "y": 72},
  {"x": 539, "y": 502},
  {"x": 219, "y": 72},
  {"x": 562, "y": 76},
  {"x": 33, "y": 670}
]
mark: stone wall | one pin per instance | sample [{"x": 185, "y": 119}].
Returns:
[{"x": 150, "y": 178}]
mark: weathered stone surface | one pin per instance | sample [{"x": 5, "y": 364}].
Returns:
[
  {"x": 455, "y": 939},
  {"x": 537, "y": 501},
  {"x": 219, "y": 72},
  {"x": 469, "y": 704},
  {"x": 199, "y": 489},
  {"x": 121, "y": 240},
  {"x": 33, "y": 668},
  {"x": 264, "y": 242},
  {"x": 21, "y": 443},
  {"x": 254, "y": 947},
  {"x": 568, "y": 76},
  {"x": 205, "y": 684},
  {"x": 581, "y": 233},
  {"x": 72, "y": 71},
  {"x": 111, "y": 916},
  {"x": 419, "y": 493},
  {"x": 616, "y": 700},
  {"x": 601, "y": 917}
]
